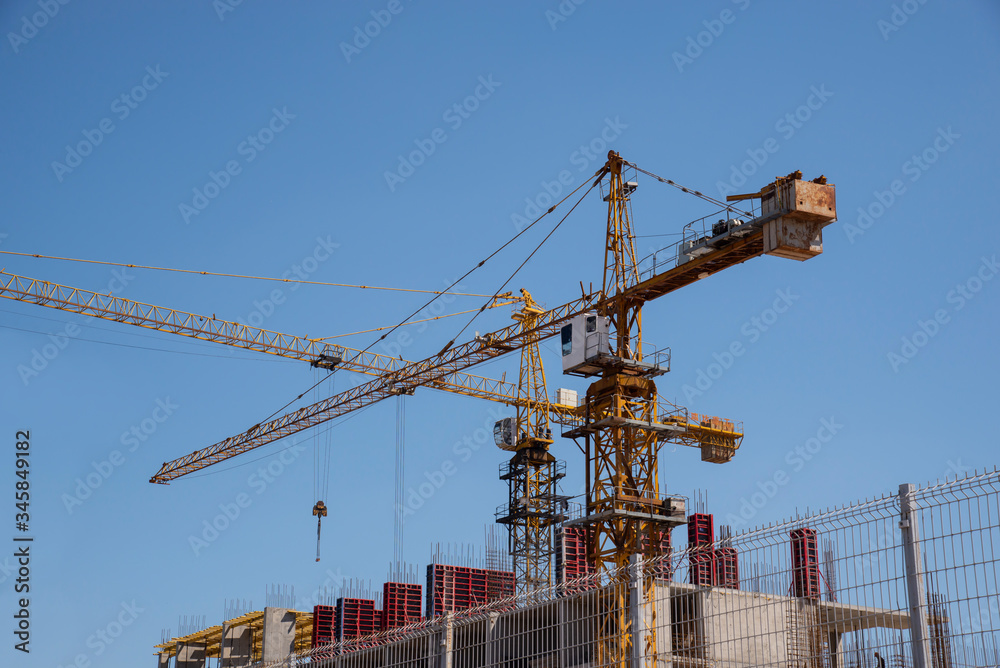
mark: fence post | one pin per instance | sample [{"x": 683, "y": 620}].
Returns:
[
  {"x": 638, "y": 609},
  {"x": 915, "y": 591}
]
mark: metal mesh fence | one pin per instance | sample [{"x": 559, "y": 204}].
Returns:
[{"x": 908, "y": 579}]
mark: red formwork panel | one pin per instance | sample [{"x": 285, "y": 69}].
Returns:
[
  {"x": 356, "y": 617},
  {"x": 499, "y": 585},
  {"x": 701, "y": 559},
  {"x": 571, "y": 554},
  {"x": 702, "y": 567},
  {"x": 401, "y": 604},
  {"x": 453, "y": 588},
  {"x": 324, "y": 620},
  {"x": 805, "y": 563},
  {"x": 701, "y": 529},
  {"x": 727, "y": 568}
]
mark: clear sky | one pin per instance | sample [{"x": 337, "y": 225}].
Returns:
[{"x": 273, "y": 138}]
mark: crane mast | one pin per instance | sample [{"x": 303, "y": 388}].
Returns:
[{"x": 533, "y": 473}]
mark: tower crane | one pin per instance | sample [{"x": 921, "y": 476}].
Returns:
[{"x": 622, "y": 421}]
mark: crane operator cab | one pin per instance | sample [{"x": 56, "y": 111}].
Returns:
[{"x": 584, "y": 341}]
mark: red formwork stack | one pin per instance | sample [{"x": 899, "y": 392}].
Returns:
[
  {"x": 727, "y": 568},
  {"x": 324, "y": 620},
  {"x": 356, "y": 617},
  {"x": 701, "y": 536},
  {"x": 805, "y": 563},
  {"x": 453, "y": 588},
  {"x": 571, "y": 554},
  {"x": 400, "y": 604},
  {"x": 499, "y": 584}
]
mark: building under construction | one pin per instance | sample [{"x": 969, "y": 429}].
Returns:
[
  {"x": 603, "y": 580},
  {"x": 878, "y": 583}
]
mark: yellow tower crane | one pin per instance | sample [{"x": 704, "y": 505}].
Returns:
[{"x": 622, "y": 420}]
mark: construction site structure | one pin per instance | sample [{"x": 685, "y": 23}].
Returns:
[{"x": 622, "y": 420}]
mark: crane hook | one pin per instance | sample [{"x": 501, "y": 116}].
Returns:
[{"x": 319, "y": 510}]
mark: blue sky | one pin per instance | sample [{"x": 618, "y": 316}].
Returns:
[{"x": 894, "y": 102}]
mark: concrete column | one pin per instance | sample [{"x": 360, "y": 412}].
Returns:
[
  {"x": 162, "y": 661},
  {"x": 279, "y": 634},
  {"x": 491, "y": 626},
  {"x": 236, "y": 646},
  {"x": 916, "y": 593},
  {"x": 834, "y": 638},
  {"x": 191, "y": 655}
]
